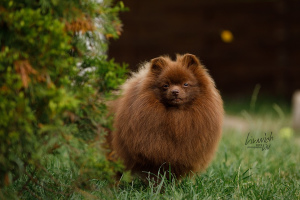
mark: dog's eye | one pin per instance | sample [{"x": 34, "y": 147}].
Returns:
[
  {"x": 185, "y": 84},
  {"x": 166, "y": 86}
]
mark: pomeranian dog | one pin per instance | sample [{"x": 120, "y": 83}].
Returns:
[{"x": 168, "y": 118}]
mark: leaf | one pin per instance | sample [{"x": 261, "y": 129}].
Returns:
[
  {"x": 7, "y": 179},
  {"x": 81, "y": 24},
  {"x": 24, "y": 68}
]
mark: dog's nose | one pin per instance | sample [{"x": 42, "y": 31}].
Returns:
[{"x": 175, "y": 92}]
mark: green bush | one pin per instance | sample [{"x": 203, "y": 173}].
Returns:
[{"x": 54, "y": 78}]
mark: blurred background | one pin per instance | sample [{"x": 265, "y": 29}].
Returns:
[{"x": 243, "y": 43}]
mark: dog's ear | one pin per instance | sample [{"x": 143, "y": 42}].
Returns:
[
  {"x": 157, "y": 65},
  {"x": 190, "y": 61}
]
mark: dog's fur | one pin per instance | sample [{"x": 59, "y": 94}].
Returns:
[{"x": 169, "y": 113}]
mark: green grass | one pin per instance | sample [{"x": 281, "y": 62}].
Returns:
[
  {"x": 237, "y": 172},
  {"x": 257, "y": 105}
]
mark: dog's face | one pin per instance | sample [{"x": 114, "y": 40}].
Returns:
[{"x": 176, "y": 84}]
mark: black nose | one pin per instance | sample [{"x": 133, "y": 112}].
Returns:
[{"x": 175, "y": 92}]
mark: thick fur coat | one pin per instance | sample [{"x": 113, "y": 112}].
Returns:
[{"x": 169, "y": 116}]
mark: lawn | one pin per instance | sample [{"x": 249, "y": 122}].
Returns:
[
  {"x": 240, "y": 170},
  {"x": 237, "y": 172}
]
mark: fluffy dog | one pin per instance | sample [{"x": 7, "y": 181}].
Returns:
[{"x": 169, "y": 116}]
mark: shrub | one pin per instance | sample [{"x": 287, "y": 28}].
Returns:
[{"x": 54, "y": 78}]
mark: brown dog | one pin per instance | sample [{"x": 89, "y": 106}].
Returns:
[{"x": 169, "y": 116}]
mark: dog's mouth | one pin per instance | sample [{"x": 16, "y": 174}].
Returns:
[{"x": 177, "y": 100}]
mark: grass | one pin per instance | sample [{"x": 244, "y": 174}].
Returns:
[
  {"x": 237, "y": 172},
  {"x": 257, "y": 106}
]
